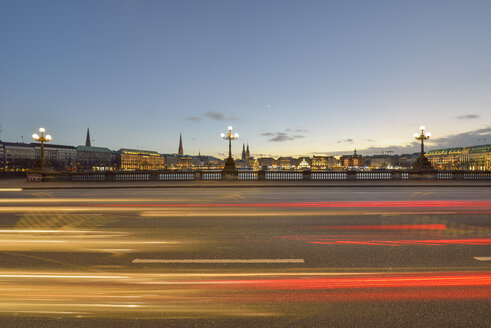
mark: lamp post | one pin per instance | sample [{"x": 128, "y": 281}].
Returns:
[
  {"x": 229, "y": 136},
  {"x": 423, "y": 136},
  {"x": 422, "y": 164},
  {"x": 229, "y": 170},
  {"x": 42, "y": 139}
]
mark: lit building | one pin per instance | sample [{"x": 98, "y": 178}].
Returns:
[
  {"x": 185, "y": 162},
  {"x": 480, "y": 158},
  {"x": 445, "y": 159},
  {"x": 474, "y": 158},
  {"x": 324, "y": 162},
  {"x": 139, "y": 160},
  {"x": 300, "y": 163},
  {"x": 286, "y": 163},
  {"x": 266, "y": 163},
  {"x": 303, "y": 165},
  {"x": 352, "y": 161}
]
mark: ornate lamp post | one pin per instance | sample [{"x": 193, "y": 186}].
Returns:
[
  {"x": 229, "y": 170},
  {"x": 422, "y": 163},
  {"x": 423, "y": 136},
  {"x": 42, "y": 139}
]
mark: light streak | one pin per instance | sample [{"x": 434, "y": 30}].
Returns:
[
  {"x": 432, "y": 242},
  {"x": 343, "y": 204},
  {"x": 211, "y": 261},
  {"x": 483, "y": 258},
  {"x": 59, "y": 276},
  {"x": 10, "y": 189},
  {"x": 385, "y": 227},
  {"x": 50, "y": 231},
  {"x": 481, "y": 279}
]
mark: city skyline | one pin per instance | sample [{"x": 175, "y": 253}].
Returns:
[
  {"x": 293, "y": 79},
  {"x": 413, "y": 149}
]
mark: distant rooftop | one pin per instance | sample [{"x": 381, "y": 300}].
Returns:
[
  {"x": 94, "y": 149},
  {"x": 137, "y": 152},
  {"x": 445, "y": 151}
]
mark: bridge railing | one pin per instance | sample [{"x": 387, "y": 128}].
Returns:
[{"x": 111, "y": 176}]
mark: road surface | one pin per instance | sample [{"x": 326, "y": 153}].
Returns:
[{"x": 246, "y": 257}]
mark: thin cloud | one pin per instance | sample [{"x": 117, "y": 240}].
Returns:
[
  {"x": 346, "y": 141},
  {"x": 281, "y": 136},
  {"x": 468, "y": 117},
  {"x": 297, "y": 130},
  {"x": 214, "y": 116},
  {"x": 465, "y": 139}
]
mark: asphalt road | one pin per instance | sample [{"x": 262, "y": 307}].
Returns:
[{"x": 246, "y": 257}]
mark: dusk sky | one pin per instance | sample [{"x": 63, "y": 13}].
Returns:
[{"x": 291, "y": 77}]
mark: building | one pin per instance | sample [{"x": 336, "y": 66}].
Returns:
[
  {"x": 267, "y": 163},
  {"x": 304, "y": 165},
  {"x": 480, "y": 158},
  {"x": 139, "y": 160},
  {"x": 185, "y": 162},
  {"x": 286, "y": 163},
  {"x": 87, "y": 139},
  {"x": 474, "y": 158},
  {"x": 59, "y": 157},
  {"x": 18, "y": 156},
  {"x": 2, "y": 155},
  {"x": 324, "y": 162},
  {"x": 445, "y": 159},
  {"x": 180, "y": 151},
  {"x": 299, "y": 163},
  {"x": 95, "y": 159},
  {"x": 352, "y": 161}
]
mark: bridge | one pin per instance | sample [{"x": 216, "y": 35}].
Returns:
[{"x": 265, "y": 175}]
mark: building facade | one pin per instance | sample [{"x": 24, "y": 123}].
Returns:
[
  {"x": 475, "y": 158},
  {"x": 324, "y": 162},
  {"x": 139, "y": 160},
  {"x": 445, "y": 159},
  {"x": 352, "y": 161},
  {"x": 95, "y": 159}
]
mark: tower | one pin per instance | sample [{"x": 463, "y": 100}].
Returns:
[
  {"x": 87, "y": 139},
  {"x": 248, "y": 154},
  {"x": 181, "y": 151},
  {"x": 243, "y": 152}
]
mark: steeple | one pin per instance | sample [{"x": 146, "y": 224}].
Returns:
[
  {"x": 248, "y": 154},
  {"x": 243, "y": 152},
  {"x": 87, "y": 140},
  {"x": 181, "y": 151},
  {"x": 355, "y": 152}
]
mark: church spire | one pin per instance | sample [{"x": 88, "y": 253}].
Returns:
[
  {"x": 248, "y": 154},
  {"x": 181, "y": 150},
  {"x": 87, "y": 140},
  {"x": 243, "y": 152}
]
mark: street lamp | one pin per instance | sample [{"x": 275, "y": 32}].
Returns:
[
  {"x": 229, "y": 136},
  {"x": 422, "y": 164},
  {"x": 229, "y": 170},
  {"x": 423, "y": 136},
  {"x": 42, "y": 139}
]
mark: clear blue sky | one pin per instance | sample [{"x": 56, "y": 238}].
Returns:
[{"x": 292, "y": 77}]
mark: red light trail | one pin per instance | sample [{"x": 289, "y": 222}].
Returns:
[
  {"x": 344, "y": 204},
  {"x": 385, "y": 227}
]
